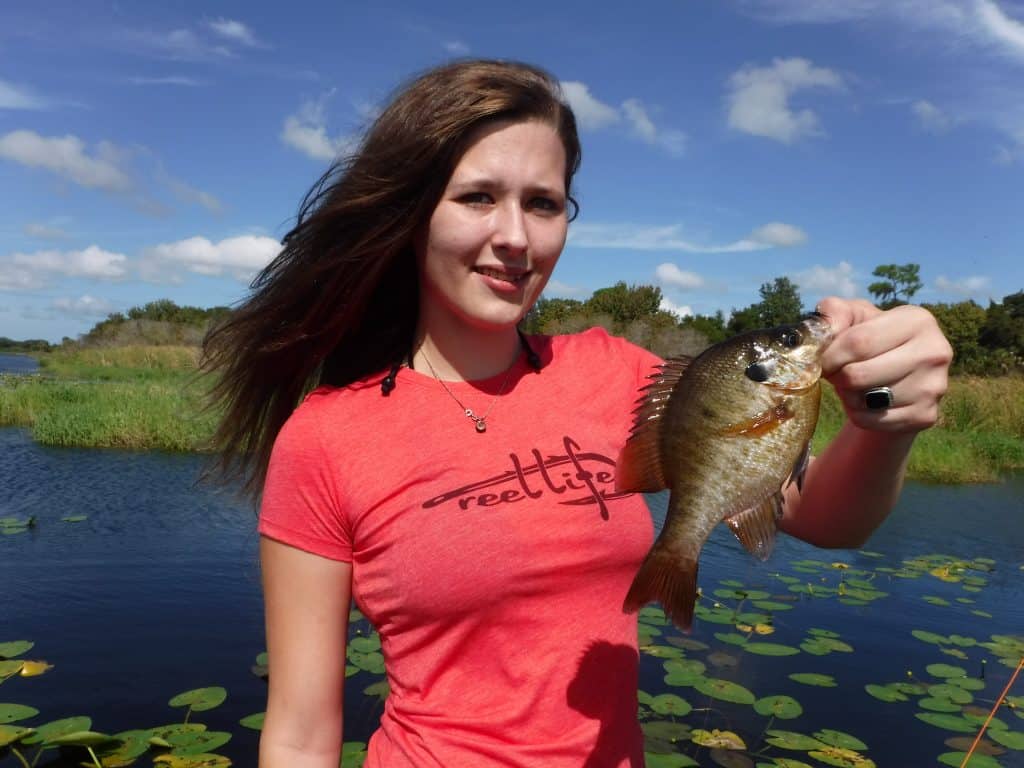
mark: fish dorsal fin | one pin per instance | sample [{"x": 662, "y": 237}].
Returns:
[
  {"x": 639, "y": 468},
  {"x": 800, "y": 468},
  {"x": 755, "y": 527}
]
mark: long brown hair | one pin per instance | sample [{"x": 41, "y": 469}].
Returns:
[{"x": 340, "y": 301}]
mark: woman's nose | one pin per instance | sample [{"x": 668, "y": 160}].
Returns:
[{"x": 510, "y": 228}]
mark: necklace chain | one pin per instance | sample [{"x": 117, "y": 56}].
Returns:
[{"x": 479, "y": 421}]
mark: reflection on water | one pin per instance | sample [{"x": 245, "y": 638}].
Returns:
[{"x": 157, "y": 592}]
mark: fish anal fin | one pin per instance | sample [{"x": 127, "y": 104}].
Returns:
[
  {"x": 639, "y": 467},
  {"x": 800, "y": 467},
  {"x": 760, "y": 424},
  {"x": 670, "y": 581},
  {"x": 755, "y": 527}
]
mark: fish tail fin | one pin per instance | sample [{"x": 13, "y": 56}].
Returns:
[{"x": 669, "y": 580}]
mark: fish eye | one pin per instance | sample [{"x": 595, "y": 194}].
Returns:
[{"x": 791, "y": 338}]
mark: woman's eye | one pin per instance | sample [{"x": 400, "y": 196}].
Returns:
[
  {"x": 545, "y": 204},
  {"x": 476, "y": 198}
]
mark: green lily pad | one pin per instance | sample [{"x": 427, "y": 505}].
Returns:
[
  {"x": 10, "y": 668},
  {"x": 956, "y": 759},
  {"x": 953, "y": 693},
  {"x": 74, "y": 518},
  {"x": 192, "y": 761},
  {"x": 15, "y": 648},
  {"x": 840, "y": 739},
  {"x": 938, "y": 705},
  {"x": 666, "y": 730},
  {"x": 843, "y": 758},
  {"x": 687, "y": 643},
  {"x": 722, "y": 659},
  {"x": 159, "y": 736},
  {"x": 771, "y": 605},
  {"x": 381, "y": 690},
  {"x": 365, "y": 644},
  {"x": 791, "y": 740},
  {"x": 353, "y": 753},
  {"x": 885, "y": 693},
  {"x": 9, "y": 734},
  {"x": 369, "y": 662},
  {"x": 58, "y": 728},
  {"x": 10, "y": 713},
  {"x": 731, "y": 638},
  {"x": 813, "y": 678},
  {"x": 200, "y": 699},
  {"x": 80, "y": 739},
  {"x": 929, "y": 637},
  {"x": 945, "y": 670},
  {"x": 670, "y": 704},
  {"x": 967, "y": 683},
  {"x": 663, "y": 651},
  {"x": 199, "y": 742},
  {"x": 724, "y": 690},
  {"x": 936, "y": 600},
  {"x": 717, "y": 739},
  {"x": 782, "y": 707},
  {"x": 771, "y": 649},
  {"x": 1011, "y": 739},
  {"x": 947, "y": 722}
]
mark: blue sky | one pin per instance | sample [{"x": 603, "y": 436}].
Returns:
[{"x": 152, "y": 150}]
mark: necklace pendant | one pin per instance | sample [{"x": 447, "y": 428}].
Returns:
[{"x": 480, "y": 425}]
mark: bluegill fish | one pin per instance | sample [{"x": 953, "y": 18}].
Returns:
[{"x": 725, "y": 432}]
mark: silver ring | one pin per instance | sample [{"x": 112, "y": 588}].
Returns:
[{"x": 878, "y": 398}]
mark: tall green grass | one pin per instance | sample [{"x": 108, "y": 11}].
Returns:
[{"x": 151, "y": 398}]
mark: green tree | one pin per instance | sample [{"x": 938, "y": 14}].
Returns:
[
  {"x": 961, "y": 323},
  {"x": 1004, "y": 325},
  {"x": 548, "y": 311},
  {"x": 780, "y": 303},
  {"x": 711, "y": 327},
  {"x": 898, "y": 285},
  {"x": 743, "y": 320},
  {"x": 623, "y": 303}
]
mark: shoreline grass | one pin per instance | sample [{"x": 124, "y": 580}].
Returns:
[{"x": 151, "y": 398}]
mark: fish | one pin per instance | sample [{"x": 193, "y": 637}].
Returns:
[{"x": 726, "y": 432}]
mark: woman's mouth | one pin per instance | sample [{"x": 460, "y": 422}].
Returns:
[{"x": 501, "y": 275}]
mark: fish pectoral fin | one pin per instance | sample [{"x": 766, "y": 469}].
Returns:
[
  {"x": 639, "y": 467},
  {"x": 761, "y": 423},
  {"x": 800, "y": 468},
  {"x": 755, "y": 527}
]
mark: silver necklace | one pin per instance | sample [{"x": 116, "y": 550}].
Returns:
[{"x": 479, "y": 421}]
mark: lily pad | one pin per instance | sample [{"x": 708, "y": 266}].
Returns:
[
  {"x": 34, "y": 668},
  {"x": 670, "y": 704},
  {"x": 666, "y": 730},
  {"x": 938, "y": 705},
  {"x": 196, "y": 743},
  {"x": 814, "y": 678},
  {"x": 10, "y": 713},
  {"x": 74, "y": 518},
  {"x": 844, "y": 758},
  {"x": 945, "y": 670},
  {"x": 947, "y": 722},
  {"x": 9, "y": 734},
  {"x": 80, "y": 739},
  {"x": 365, "y": 644},
  {"x": 10, "y": 668},
  {"x": 771, "y": 649},
  {"x": 717, "y": 739},
  {"x": 956, "y": 759},
  {"x": 15, "y": 648},
  {"x": 58, "y": 728},
  {"x": 200, "y": 699},
  {"x": 724, "y": 690},
  {"x": 791, "y": 740},
  {"x": 729, "y": 758},
  {"x": 192, "y": 761},
  {"x": 782, "y": 707},
  {"x": 369, "y": 662},
  {"x": 840, "y": 739},
  {"x": 1011, "y": 739},
  {"x": 885, "y": 693},
  {"x": 676, "y": 760},
  {"x": 953, "y": 693}
]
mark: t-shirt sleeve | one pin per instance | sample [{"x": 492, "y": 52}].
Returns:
[{"x": 300, "y": 505}]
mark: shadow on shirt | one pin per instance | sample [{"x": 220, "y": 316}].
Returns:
[{"x": 604, "y": 670}]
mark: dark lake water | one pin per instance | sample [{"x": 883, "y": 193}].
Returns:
[
  {"x": 19, "y": 364},
  {"x": 157, "y": 592}
]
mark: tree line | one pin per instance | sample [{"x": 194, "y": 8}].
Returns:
[{"x": 985, "y": 340}]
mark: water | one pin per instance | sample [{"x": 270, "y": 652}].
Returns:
[
  {"x": 157, "y": 592},
  {"x": 18, "y": 364}
]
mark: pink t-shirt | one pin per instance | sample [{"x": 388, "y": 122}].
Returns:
[{"x": 493, "y": 565}]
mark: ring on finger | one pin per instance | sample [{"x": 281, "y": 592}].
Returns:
[{"x": 878, "y": 398}]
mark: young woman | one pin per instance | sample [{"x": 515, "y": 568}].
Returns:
[{"x": 455, "y": 477}]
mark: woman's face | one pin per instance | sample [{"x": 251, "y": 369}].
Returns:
[{"x": 497, "y": 231}]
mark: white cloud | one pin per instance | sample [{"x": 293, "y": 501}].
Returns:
[
  {"x": 66, "y": 156},
  {"x": 669, "y": 238},
  {"x": 306, "y": 131},
  {"x": 234, "y": 30},
  {"x": 975, "y": 285},
  {"x": 18, "y": 97},
  {"x": 759, "y": 99},
  {"x": 17, "y": 278},
  {"x": 92, "y": 262},
  {"x": 828, "y": 281},
  {"x": 177, "y": 45},
  {"x": 930, "y": 117},
  {"x": 241, "y": 257},
  {"x": 186, "y": 193},
  {"x": 679, "y": 310},
  {"x": 779, "y": 234},
  {"x": 44, "y": 231},
  {"x": 672, "y": 140},
  {"x": 591, "y": 114},
  {"x": 670, "y": 274},
  {"x": 169, "y": 80},
  {"x": 83, "y": 306},
  {"x": 1007, "y": 31},
  {"x": 456, "y": 48}
]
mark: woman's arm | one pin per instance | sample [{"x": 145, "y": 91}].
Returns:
[
  {"x": 851, "y": 488},
  {"x": 306, "y": 599}
]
